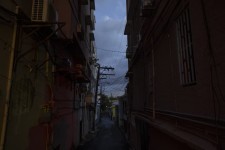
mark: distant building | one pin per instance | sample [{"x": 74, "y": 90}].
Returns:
[
  {"x": 115, "y": 110},
  {"x": 122, "y": 112},
  {"x": 47, "y": 73},
  {"x": 176, "y": 74},
  {"x": 98, "y": 110}
]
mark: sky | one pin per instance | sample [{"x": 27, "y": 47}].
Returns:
[{"x": 111, "y": 43}]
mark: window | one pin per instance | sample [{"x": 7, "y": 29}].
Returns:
[{"x": 185, "y": 49}]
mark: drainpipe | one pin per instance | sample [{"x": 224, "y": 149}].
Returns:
[
  {"x": 153, "y": 80},
  {"x": 8, "y": 86}
]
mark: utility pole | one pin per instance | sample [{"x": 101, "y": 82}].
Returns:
[{"x": 96, "y": 88}]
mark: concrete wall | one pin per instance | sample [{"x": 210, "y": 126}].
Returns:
[
  {"x": 31, "y": 91},
  {"x": 31, "y": 87},
  {"x": 170, "y": 94},
  {"x": 196, "y": 99},
  {"x": 42, "y": 111},
  {"x": 65, "y": 14},
  {"x": 203, "y": 100},
  {"x": 76, "y": 128}
]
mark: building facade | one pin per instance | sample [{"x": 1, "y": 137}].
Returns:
[
  {"x": 48, "y": 73},
  {"x": 176, "y": 74}
]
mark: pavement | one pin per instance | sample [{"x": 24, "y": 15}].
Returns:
[{"x": 108, "y": 136}]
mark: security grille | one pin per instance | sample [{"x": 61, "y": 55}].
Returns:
[{"x": 185, "y": 49}]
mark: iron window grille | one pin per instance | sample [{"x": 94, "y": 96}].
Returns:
[{"x": 185, "y": 49}]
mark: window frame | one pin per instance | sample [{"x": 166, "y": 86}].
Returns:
[{"x": 185, "y": 49}]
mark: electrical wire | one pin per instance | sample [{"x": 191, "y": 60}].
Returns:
[
  {"x": 117, "y": 80},
  {"x": 108, "y": 50},
  {"x": 121, "y": 41},
  {"x": 119, "y": 84},
  {"x": 119, "y": 46},
  {"x": 120, "y": 89}
]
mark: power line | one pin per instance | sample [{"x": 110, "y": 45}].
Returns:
[
  {"x": 108, "y": 50},
  {"x": 122, "y": 57},
  {"x": 119, "y": 84},
  {"x": 117, "y": 80},
  {"x": 121, "y": 40}
]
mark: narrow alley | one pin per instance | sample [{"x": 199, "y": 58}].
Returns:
[
  {"x": 112, "y": 75},
  {"x": 108, "y": 137}
]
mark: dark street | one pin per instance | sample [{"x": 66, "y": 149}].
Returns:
[{"x": 109, "y": 137}]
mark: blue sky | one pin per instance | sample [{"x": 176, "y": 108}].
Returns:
[{"x": 110, "y": 23}]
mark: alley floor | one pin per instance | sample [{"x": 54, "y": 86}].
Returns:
[{"x": 109, "y": 137}]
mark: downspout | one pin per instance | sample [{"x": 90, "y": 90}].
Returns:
[
  {"x": 153, "y": 80},
  {"x": 8, "y": 86}
]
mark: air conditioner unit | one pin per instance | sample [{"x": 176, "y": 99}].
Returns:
[
  {"x": 40, "y": 10},
  {"x": 43, "y": 10}
]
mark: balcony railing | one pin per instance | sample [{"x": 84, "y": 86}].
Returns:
[
  {"x": 92, "y": 4},
  {"x": 92, "y": 37},
  {"x": 90, "y": 20},
  {"x": 80, "y": 32}
]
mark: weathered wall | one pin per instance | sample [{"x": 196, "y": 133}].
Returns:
[
  {"x": 175, "y": 103},
  {"x": 196, "y": 99},
  {"x": 65, "y": 14},
  {"x": 6, "y": 59},
  {"x": 31, "y": 91}
]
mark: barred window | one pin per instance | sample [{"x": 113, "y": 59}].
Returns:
[{"x": 185, "y": 49}]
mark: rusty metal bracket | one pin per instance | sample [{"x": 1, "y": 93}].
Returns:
[{"x": 60, "y": 25}]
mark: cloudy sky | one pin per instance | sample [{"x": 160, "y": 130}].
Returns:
[{"x": 111, "y": 43}]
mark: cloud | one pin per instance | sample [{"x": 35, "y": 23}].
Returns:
[
  {"x": 109, "y": 36},
  {"x": 107, "y": 18},
  {"x": 110, "y": 23}
]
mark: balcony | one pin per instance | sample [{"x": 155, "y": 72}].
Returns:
[
  {"x": 80, "y": 32},
  {"x": 92, "y": 4},
  {"x": 90, "y": 20},
  {"x": 92, "y": 37},
  {"x": 93, "y": 49},
  {"x": 93, "y": 23}
]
